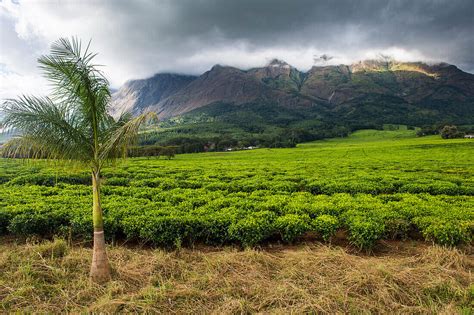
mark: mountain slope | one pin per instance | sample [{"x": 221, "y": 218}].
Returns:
[
  {"x": 220, "y": 83},
  {"x": 372, "y": 91},
  {"x": 139, "y": 95},
  {"x": 279, "y": 75}
]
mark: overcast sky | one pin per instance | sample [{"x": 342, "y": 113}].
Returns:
[{"x": 136, "y": 39}]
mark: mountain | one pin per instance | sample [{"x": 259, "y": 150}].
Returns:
[
  {"x": 137, "y": 95},
  {"x": 280, "y": 97},
  {"x": 279, "y": 75},
  {"x": 433, "y": 87},
  {"x": 218, "y": 84}
]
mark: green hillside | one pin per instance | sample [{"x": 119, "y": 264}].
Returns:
[
  {"x": 264, "y": 124},
  {"x": 279, "y": 106}
]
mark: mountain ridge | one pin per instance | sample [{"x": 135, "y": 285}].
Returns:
[{"x": 440, "y": 89}]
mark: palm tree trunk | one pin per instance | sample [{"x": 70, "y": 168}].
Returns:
[{"x": 100, "y": 268}]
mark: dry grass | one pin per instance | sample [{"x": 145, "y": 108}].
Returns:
[{"x": 52, "y": 277}]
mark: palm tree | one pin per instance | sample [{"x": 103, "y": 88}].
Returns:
[{"x": 73, "y": 124}]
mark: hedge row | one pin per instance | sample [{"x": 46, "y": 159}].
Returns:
[
  {"x": 437, "y": 187},
  {"x": 183, "y": 216}
]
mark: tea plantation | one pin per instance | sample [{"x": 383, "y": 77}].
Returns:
[{"x": 373, "y": 185}]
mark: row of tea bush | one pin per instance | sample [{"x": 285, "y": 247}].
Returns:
[{"x": 170, "y": 216}]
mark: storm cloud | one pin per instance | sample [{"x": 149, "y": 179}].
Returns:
[{"x": 136, "y": 39}]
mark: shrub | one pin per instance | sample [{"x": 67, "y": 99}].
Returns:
[
  {"x": 274, "y": 204},
  {"x": 117, "y": 181},
  {"x": 167, "y": 230},
  {"x": 247, "y": 198},
  {"x": 414, "y": 188},
  {"x": 450, "y": 132},
  {"x": 214, "y": 186},
  {"x": 448, "y": 233},
  {"x": 147, "y": 182},
  {"x": 38, "y": 223},
  {"x": 326, "y": 225},
  {"x": 6, "y": 215},
  {"x": 132, "y": 226},
  {"x": 252, "y": 229},
  {"x": 162, "y": 230},
  {"x": 397, "y": 228},
  {"x": 292, "y": 226},
  {"x": 51, "y": 179},
  {"x": 34, "y": 179},
  {"x": 194, "y": 184},
  {"x": 213, "y": 229},
  {"x": 284, "y": 186},
  {"x": 364, "y": 232},
  {"x": 466, "y": 190},
  {"x": 168, "y": 184},
  {"x": 80, "y": 224},
  {"x": 444, "y": 188},
  {"x": 315, "y": 187},
  {"x": 76, "y": 179}
]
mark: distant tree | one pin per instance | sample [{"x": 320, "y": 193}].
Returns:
[
  {"x": 427, "y": 130},
  {"x": 225, "y": 142},
  {"x": 73, "y": 125},
  {"x": 168, "y": 152},
  {"x": 450, "y": 132},
  {"x": 341, "y": 131}
]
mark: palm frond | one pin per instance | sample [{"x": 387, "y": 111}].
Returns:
[
  {"x": 74, "y": 123},
  {"x": 53, "y": 127},
  {"x": 123, "y": 135},
  {"x": 76, "y": 81},
  {"x": 22, "y": 147}
]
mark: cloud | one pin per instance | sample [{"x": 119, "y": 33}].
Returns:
[{"x": 139, "y": 38}]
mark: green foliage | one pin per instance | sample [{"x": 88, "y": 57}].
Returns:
[
  {"x": 292, "y": 226},
  {"x": 117, "y": 181},
  {"x": 166, "y": 230},
  {"x": 253, "y": 229},
  {"x": 39, "y": 223},
  {"x": 6, "y": 216},
  {"x": 375, "y": 185},
  {"x": 450, "y": 132},
  {"x": 218, "y": 127},
  {"x": 326, "y": 225},
  {"x": 51, "y": 180},
  {"x": 364, "y": 232},
  {"x": 152, "y": 150},
  {"x": 449, "y": 233}
]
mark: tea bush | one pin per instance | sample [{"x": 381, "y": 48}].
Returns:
[
  {"x": 448, "y": 232},
  {"x": 326, "y": 225},
  {"x": 252, "y": 229},
  {"x": 364, "y": 232},
  {"x": 373, "y": 188},
  {"x": 292, "y": 226}
]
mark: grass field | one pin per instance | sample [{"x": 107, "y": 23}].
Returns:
[
  {"x": 373, "y": 185},
  {"x": 407, "y": 278},
  {"x": 386, "y": 192}
]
